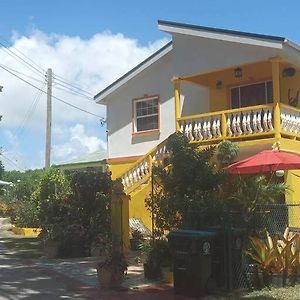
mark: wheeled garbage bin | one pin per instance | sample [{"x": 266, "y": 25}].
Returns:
[{"x": 192, "y": 250}]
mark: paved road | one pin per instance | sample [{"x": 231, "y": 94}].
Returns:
[{"x": 19, "y": 279}]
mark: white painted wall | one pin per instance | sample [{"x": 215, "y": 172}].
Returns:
[
  {"x": 198, "y": 55},
  {"x": 156, "y": 80}
]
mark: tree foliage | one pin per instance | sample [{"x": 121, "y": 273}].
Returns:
[{"x": 187, "y": 192}]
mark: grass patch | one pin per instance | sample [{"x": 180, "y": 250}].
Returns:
[{"x": 290, "y": 293}]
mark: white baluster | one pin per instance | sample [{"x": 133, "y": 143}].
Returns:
[
  {"x": 248, "y": 123},
  {"x": 190, "y": 137},
  {"x": 209, "y": 135},
  {"x": 238, "y": 124},
  {"x": 134, "y": 175},
  {"x": 204, "y": 127},
  {"x": 269, "y": 120},
  {"x": 254, "y": 122},
  {"x": 218, "y": 128},
  {"x": 259, "y": 127},
  {"x": 293, "y": 123},
  {"x": 130, "y": 179},
  {"x": 200, "y": 136},
  {"x": 244, "y": 123},
  {"x": 214, "y": 128},
  {"x": 146, "y": 168},
  {"x": 282, "y": 120},
  {"x": 181, "y": 128},
  {"x": 229, "y": 132},
  {"x": 196, "y": 135},
  {"x": 234, "y": 130},
  {"x": 265, "y": 121},
  {"x": 297, "y": 125}
]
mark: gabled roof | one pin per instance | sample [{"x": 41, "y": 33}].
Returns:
[
  {"x": 241, "y": 37},
  {"x": 133, "y": 72},
  {"x": 165, "y": 25}
]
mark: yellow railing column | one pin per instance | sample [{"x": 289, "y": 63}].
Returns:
[
  {"x": 276, "y": 96},
  {"x": 177, "y": 102},
  {"x": 224, "y": 126}
]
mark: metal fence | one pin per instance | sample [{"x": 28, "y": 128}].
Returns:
[{"x": 273, "y": 218}]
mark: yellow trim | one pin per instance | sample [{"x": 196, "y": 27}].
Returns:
[
  {"x": 28, "y": 232},
  {"x": 228, "y": 111},
  {"x": 177, "y": 103},
  {"x": 276, "y": 96}
]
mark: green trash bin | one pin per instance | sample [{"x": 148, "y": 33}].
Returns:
[{"x": 192, "y": 251}]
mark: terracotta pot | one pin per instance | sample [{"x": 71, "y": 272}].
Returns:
[
  {"x": 51, "y": 248},
  {"x": 109, "y": 278}
]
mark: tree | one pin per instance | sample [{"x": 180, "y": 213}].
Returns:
[{"x": 187, "y": 187}]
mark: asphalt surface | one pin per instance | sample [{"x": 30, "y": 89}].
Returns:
[{"x": 22, "y": 279}]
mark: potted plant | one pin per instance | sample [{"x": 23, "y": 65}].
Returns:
[
  {"x": 136, "y": 239},
  {"x": 112, "y": 270},
  {"x": 277, "y": 257},
  {"x": 157, "y": 256}
]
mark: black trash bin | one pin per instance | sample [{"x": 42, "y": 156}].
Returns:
[{"x": 192, "y": 261}]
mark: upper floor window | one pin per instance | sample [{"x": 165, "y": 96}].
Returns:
[
  {"x": 145, "y": 114},
  {"x": 252, "y": 94}
]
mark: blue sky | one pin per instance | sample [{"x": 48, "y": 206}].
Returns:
[{"x": 91, "y": 43}]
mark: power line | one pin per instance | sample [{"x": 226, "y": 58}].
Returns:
[
  {"x": 57, "y": 77},
  {"x": 11, "y": 162},
  {"x": 22, "y": 61},
  {"x": 33, "y": 78},
  {"x": 58, "y": 99},
  {"x": 72, "y": 92},
  {"x": 39, "y": 69},
  {"x": 19, "y": 131}
]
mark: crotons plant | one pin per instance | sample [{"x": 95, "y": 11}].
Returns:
[{"x": 278, "y": 254}]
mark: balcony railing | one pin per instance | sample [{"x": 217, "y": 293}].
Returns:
[
  {"x": 229, "y": 124},
  {"x": 141, "y": 171}
]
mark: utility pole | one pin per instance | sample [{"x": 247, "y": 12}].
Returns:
[{"x": 49, "y": 119}]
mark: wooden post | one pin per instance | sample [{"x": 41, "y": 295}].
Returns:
[
  {"x": 177, "y": 102},
  {"x": 224, "y": 126},
  {"x": 276, "y": 96}
]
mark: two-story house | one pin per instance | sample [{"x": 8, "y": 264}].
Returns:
[{"x": 213, "y": 85}]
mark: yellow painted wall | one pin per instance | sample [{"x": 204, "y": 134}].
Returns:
[
  {"x": 292, "y": 83},
  {"x": 28, "y": 232},
  {"x": 137, "y": 207},
  {"x": 293, "y": 196}
]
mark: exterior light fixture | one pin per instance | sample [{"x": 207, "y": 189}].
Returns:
[
  {"x": 288, "y": 72},
  {"x": 219, "y": 85},
  {"x": 238, "y": 72},
  {"x": 279, "y": 173},
  {"x": 1, "y": 88}
]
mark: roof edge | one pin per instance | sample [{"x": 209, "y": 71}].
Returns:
[
  {"x": 99, "y": 97},
  {"x": 221, "y": 30}
]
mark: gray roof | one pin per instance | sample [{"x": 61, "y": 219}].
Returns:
[
  {"x": 221, "y": 30},
  {"x": 96, "y": 156}
]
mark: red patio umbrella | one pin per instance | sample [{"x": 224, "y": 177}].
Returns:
[{"x": 264, "y": 162}]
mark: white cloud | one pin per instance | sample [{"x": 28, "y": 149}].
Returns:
[
  {"x": 90, "y": 63},
  {"x": 78, "y": 143}
]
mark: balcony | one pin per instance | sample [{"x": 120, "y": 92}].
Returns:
[{"x": 248, "y": 123}]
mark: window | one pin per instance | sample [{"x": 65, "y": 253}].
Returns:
[
  {"x": 146, "y": 114},
  {"x": 252, "y": 94}
]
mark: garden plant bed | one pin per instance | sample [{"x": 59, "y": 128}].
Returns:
[{"x": 291, "y": 293}]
